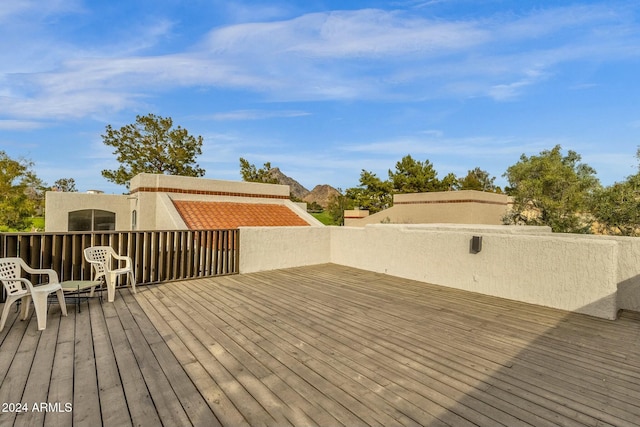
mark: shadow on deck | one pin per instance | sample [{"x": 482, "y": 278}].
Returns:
[{"x": 321, "y": 345}]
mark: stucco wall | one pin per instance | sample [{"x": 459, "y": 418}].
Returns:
[
  {"x": 594, "y": 275},
  {"x": 572, "y": 274},
  {"x": 59, "y": 204},
  {"x": 185, "y": 183},
  {"x": 269, "y": 248},
  {"x": 455, "y": 207}
]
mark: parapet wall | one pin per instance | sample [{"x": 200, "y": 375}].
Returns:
[
  {"x": 158, "y": 183},
  {"x": 586, "y": 274},
  {"x": 453, "y": 207}
]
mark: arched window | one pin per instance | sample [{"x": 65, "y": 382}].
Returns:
[{"x": 92, "y": 220}]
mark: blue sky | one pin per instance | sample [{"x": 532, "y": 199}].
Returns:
[{"x": 323, "y": 89}]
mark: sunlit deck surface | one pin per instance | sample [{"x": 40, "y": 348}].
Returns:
[{"x": 323, "y": 345}]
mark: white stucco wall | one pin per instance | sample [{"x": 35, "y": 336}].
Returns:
[
  {"x": 570, "y": 274},
  {"x": 269, "y": 248}
]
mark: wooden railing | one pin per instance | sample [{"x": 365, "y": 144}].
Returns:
[{"x": 158, "y": 256}]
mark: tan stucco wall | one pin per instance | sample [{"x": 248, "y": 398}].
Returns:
[
  {"x": 455, "y": 207},
  {"x": 59, "y": 204},
  {"x": 265, "y": 248},
  {"x": 157, "y": 181},
  {"x": 594, "y": 275}
]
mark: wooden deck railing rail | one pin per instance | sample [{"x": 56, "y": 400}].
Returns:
[{"x": 157, "y": 256}]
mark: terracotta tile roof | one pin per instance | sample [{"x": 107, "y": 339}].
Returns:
[{"x": 228, "y": 215}]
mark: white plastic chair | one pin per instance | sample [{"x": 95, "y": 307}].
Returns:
[
  {"x": 18, "y": 287},
  {"x": 102, "y": 259}
]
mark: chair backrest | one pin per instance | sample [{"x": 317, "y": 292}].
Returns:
[
  {"x": 100, "y": 259},
  {"x": 10, "y": 273}
]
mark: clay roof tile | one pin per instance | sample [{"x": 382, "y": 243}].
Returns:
[{"x": 230, "y": 215}]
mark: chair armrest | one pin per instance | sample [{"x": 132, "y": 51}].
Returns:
[
  {"x": 53, "y": 275},
  {"x": 126, "y": 259}
]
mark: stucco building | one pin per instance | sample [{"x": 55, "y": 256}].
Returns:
[
  {"x": 450, "y": 207},
  {"x": 164, "y": 202}
]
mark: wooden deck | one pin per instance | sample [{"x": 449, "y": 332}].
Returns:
[{"x": 323, "y": 345}]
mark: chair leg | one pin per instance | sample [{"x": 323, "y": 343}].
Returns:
[
  {"x": 26, "y": 305},
  {"x": 40, "y": 304},
  {"x": 61, "y": 301},
  {"x": 111, "y": 288},
  {"x": 133, "y": 281},
  {"x": 5, "y": 311}
]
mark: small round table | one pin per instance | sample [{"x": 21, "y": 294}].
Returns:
[{"x": 81, "y": 286}]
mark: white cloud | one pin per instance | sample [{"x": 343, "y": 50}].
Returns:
[
  {"x": 509, "y": 91},
  {"x": 359, "y": 54},
  {"x": 347, "y": 34}
]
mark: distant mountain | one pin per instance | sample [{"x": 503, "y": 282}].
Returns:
[
  {"x": 295, "y": 187},
  {"x": 320, "y": 194}
]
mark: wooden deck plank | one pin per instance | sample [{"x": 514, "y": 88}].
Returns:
[
  {"x": 477, "y": 344},
  {"x": 266, "y": 368},
  {"x": 303, "y": 349},
  {"x": 321, "y": 345},
  {"x": 61, "y": 385},
  {"x": 217, "y": 400},
  {"x": 15, "y": 381},
  {"x": 231, "y": 388},
  {"x": 191, "y": 400},
  {"x": 86, "y": 398},
  {"x": 229, "y": 373},
  {"x": 141, "y": 407},
  {"x": 113, "y": 402},
  {"x": 34, "y": 394},
  {"x": 12, "y": 335},
  {"x": 166, "y": 403},
  {"x": 407, "y": 372},
  {"x": 579, "y": 392}
]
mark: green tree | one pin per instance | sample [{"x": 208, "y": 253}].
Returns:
[
  {"x": 616, "y": 208},
  {"x": 412, "y": 176},
  {"x": 250, "y": 173},
  {"x": 20, "y": 192},
  {"x": 337, "y": 205},
  {"x": 373, "y": 194},
  {"x": 151, "y": 145},
  {"x": 551, "y": 189},
  {"x": 449, "y": 182},
  {"x": 478, "y": 179},
  {"x": 314, "y": 207},
  {"x": 67, "y": 185}
]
